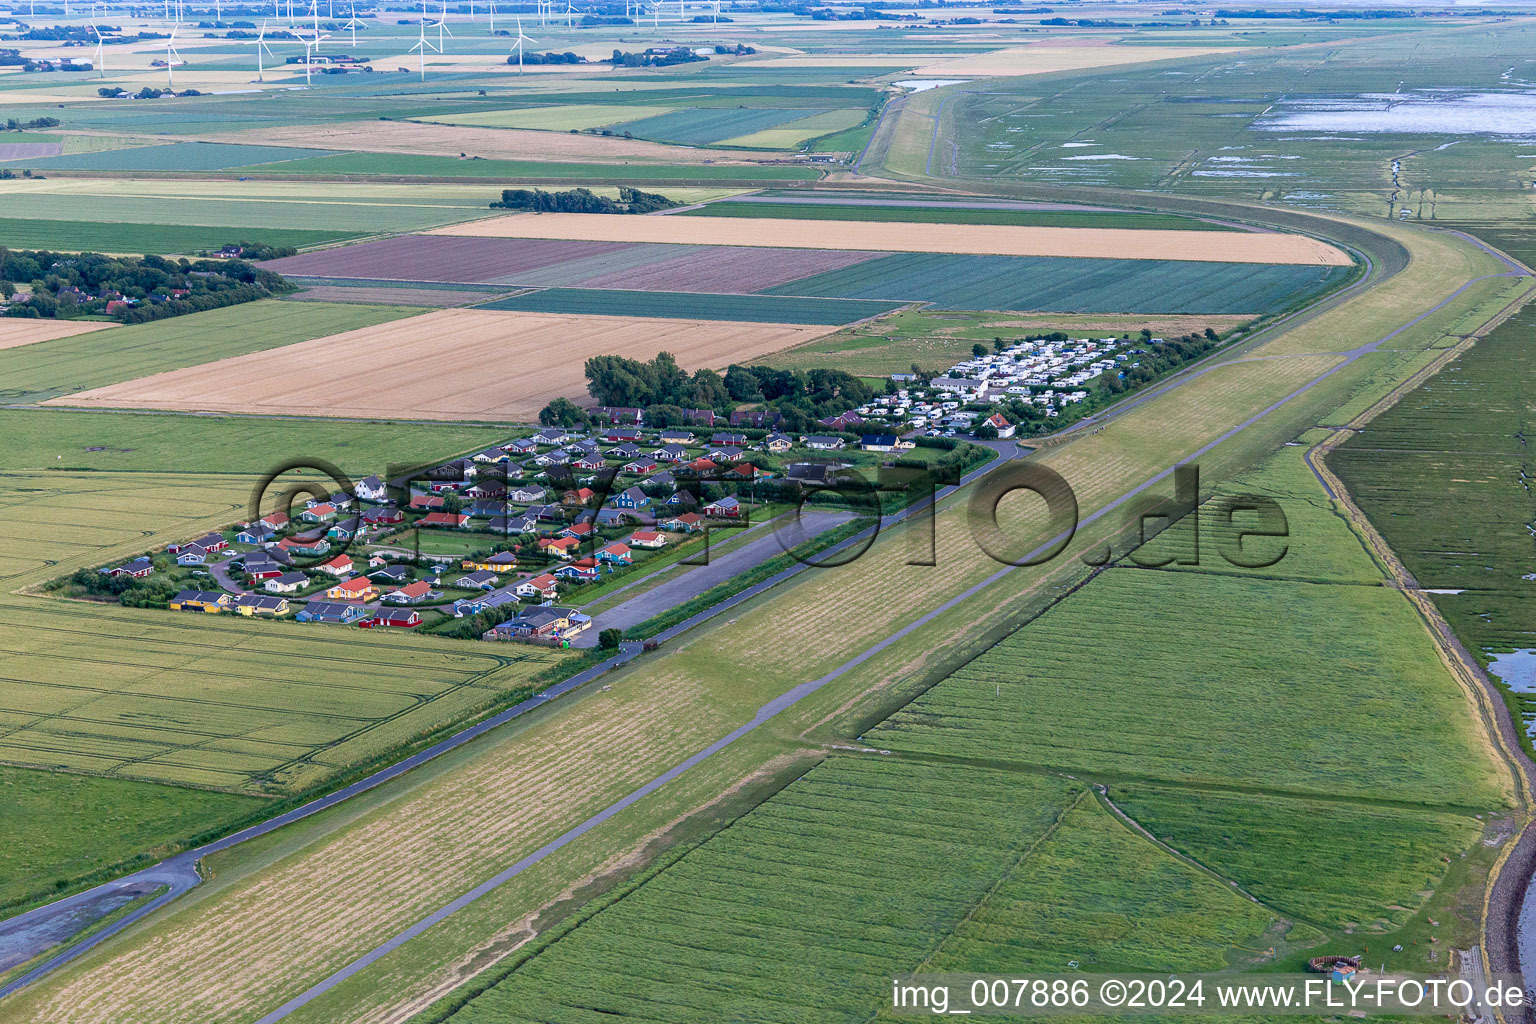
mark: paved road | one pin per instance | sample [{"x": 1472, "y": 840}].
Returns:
[
  {"x": 795, "y": 695},
  {"x": 691, "y": 582}
]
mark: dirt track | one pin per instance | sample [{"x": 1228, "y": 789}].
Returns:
[{"x": 887, "y": 236}]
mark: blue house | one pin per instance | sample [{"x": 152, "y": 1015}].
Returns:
[
  {"x": 332, "y": 611},
  {"x": 630, "y": 497}
]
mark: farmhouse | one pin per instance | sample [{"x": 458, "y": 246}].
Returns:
[
  {"x": 261, "y": 604},
  {"x": 200, "y": 601}
]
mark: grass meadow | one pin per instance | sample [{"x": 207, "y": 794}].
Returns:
[
  {"x": 61, "y": 826},
  {"x": 695, "y": 306},
  {"x": 52, "y": 369},
  {"x": 96, "y": 236}
]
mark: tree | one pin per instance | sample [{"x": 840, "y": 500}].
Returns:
[
  {"x": 978, "y": 350},
  {"x": 987, "y": 432},
  {"x": 562, "y": 412},
  {"x": 608, "y": 639},
  {"x": 998, "y": 344},
  {"x": 453, "y": 504}
]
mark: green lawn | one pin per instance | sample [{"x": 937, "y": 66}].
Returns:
[
  {"x": 62, "y": 827},
  {"x": 50, "y": 369},
  {"x": 780, "y": 309}
]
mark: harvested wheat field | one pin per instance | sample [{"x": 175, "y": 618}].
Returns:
[
  {"x": 482, "y": 364},
  {"x": 16, "y": 332},
  {"x": 490, "y": 143},
  {"x": 1043, "y": 58},
  {"x": 891, "y": 236}
]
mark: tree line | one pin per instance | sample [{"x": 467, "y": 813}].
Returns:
[
  {"x": 66, "y": 285},
  {"x": 582, "y": 200}
]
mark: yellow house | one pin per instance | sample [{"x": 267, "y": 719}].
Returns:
[
  {"x": 359, "y": 588},
  {"x": 502, "y": 561},
  {"x": 211, "y": 601},
  {"x": 261, "y": 604}
]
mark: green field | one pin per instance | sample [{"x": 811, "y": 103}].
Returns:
[
  {"x": 178, "y": 156},
  {"x": 96, "y": 236},
  {"x": 560, "y": 118},
  {"x": 703, "y": 126},
  {"x": 165, "y": 443},
  {"x": 51, "y": 369},
  {"x": 1071, "y": 285},
  {"x": 1445, "y": 476},
  {"x": 60, "y": 827},
  {"x": 792, "y": 134},
  {"x": 407, "y": 165},
  {"x": 954, "y": 214},
  {"x": 694, "y": 306}
]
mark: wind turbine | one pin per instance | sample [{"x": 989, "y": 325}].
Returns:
[
  {"x": 656, "y": 16},
  {"x": 309, "y": 50},
  {"x": 569, "y": 10},
  {"x": 521, "y": 39},
  {"x": 101, "y": 60},
  {"x": 352, "y": 24},
  {"x": 172, "y": 58},
  {"x": 493, "y": 17},
  {"x": 261, "y": 46},
  {"x": 421, "y": 48},
  {"x": 717, "y": 12},
  {"x": 442, "y": 27}
]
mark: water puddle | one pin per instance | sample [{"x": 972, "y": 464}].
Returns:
[{"x": 1420, "y": 112}]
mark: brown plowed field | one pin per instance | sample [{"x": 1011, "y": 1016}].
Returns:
[
  {"x": 730, "y": 269},
  {"x": 891, "y": 236},
  {"x": 445, "y": 365},
  {"x": 438, "y": 258}
]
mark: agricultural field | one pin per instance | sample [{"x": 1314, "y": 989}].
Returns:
[
  {"x": 771, "y": 309},
  {"x": 1072, "y": 285},
  {"x": 1244, "y": 247},
  {"x": 952, "y": 212},
  {"x": 15, "y": 333},
  {"x": 64, "y": 366},
  {"x": 221, "y": 702},
  {"x": 178, "y": 156},
  {"x": 484, "y": 364},
  {"x": 1444, "y": 475},
  {"x": 137, "y": 239}
]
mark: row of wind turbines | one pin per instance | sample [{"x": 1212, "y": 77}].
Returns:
[{"x": 175, "y": 10}]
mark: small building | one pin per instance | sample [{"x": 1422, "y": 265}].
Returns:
[
  {"x": 1000, "y": 423},
  {"x": 880, "y": 442},
  {"x": 391, "y": 574},
  {"x": 287, "y": 583},
  {"x": 777, "y": 444},
  {"x": 191, "y": 554},
  {"x": 322, "y": 513},
  {"x": 358, "y": 588},
  {"x": 647, "y": 539},
  {"x": 630, "y": 497},
  {"x": 544, "y": 587},
  {"x": 340, "y": 566},
  {"x": 480, "y": 580},
  {"x": 211, "y": 601},
  {"x": 501, "y": 561},
  {"x": 581, "y": 571},
  {"x": 825, "y": 442},
  {"x": 261, "y": 604},
  {"x": 330, "y": 611},
  {"x": 688, "y": 522},
  {"x": 400, "y": 618},
  {"x": 446, "y": 520},
  {"x": 383, "y": 517},
  {"x": 725, "y": 508},
  {"x": 411, "y": 593},
  {"x": 370, "y": 488},
  {"x": 254, "y": 534},
  {"x": 138, "y": 568}
]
